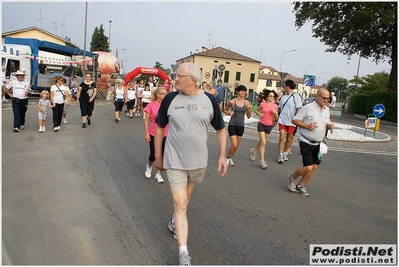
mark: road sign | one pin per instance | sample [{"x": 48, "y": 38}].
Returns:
[
  {"x": 309, "y": 80},
  {"x": 379, "y": 110},
  {"x": 207, "y": 75}
]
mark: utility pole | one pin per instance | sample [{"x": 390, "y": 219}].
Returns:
[{"x": 84, "y": 47}]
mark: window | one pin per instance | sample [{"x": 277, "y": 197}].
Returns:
[
  {"x": 252, "y": 78},
  {"x": 226, "y": 76},
  {"x": 227, "y": 62},
  {"x": 214, "y": 73},
  {"x": 12, "y": 66},
  {"x": 269, "y": 82},
  {"x": 238, "y": 76},
  {"x": 239, "y": 64},
  {"x": 216, "y": 61}
]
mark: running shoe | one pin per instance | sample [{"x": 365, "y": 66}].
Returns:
[
  {"x": 55, "y": 129},
  {"x": 289, "y": 152},
  {"x": 263, "y": 164},
  {"x": 302, "y": 190},
  {"x": 280, "y": 158},
  {"x": 40, "y": 129},
  {"x": 285, "y": 157},
  {"x": 230, "y": 162},
  {"x": 158, "y": 178},
  {"x": 43, "y": 128},
  {"x": 88, "y": 121},
  {"x": 116, "y": 120},
  {"x": 171, "y": 227},
  {"x": 148, "y": 170},
  {"x": 184, "y": 259},
  {"x": 22, "y": 127},
  {"x": 253, "y": 154},
  {"x": 84, "y": 125},
  {"x": 65, "y": 121},
  {"x": 292, "y": 184},
  {"x": 17, "y": 130}
]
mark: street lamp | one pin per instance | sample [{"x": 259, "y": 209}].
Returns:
[
  {"x": 320, "y": 75},
  {"x": 281, "y": 64},
  {"x": 357, "y": 73},
  {"x": 117, "y": 52},
  {"x": 306, "y": 72},
  {"x": 109, "y": 37}
]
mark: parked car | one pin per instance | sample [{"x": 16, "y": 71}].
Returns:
[{"x": 308, "y": 100}]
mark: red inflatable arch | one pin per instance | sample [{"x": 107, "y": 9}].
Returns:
[{"x": 143, "y": 70}]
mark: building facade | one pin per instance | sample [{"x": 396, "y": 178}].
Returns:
[{"x": 235, "y": 69}]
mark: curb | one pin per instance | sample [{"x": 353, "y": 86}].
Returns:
[{"x": 6, "y": 259}]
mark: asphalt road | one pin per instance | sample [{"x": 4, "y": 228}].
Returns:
[{"x": 79, "y": 197}]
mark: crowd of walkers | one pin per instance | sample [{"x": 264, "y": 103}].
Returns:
[{"x": 176, "y": 123}]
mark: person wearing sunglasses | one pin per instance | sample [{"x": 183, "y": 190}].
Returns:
[{"x": 313, "y": 120}]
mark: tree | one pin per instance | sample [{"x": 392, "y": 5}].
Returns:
[
  {"x": 338, "y": 84},
  {"x": 370, "y": 83},
  {"x": 365, "y": 28},
  {"x": 99, "y": 42}
]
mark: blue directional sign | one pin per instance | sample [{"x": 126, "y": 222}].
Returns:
[
  {"x": 309, "y": 80},
  {"x": 379, "y": 110}
]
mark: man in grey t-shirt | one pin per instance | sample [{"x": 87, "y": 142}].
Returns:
[{"x": 188, "y": 112}]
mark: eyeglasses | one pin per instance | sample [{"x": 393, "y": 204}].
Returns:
[
  {"x": 161, "y": 93},
  {"x": 182, "y": 76},
  {"x": 324, "y": 98}
]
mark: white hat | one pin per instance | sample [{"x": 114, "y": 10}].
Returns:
[
  {"x": 20, "y": 73},
  {"x": 332, "y": 93},
  {"x": 119, "y": 80}
]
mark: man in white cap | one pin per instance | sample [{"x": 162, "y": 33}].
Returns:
[
  {"x": 333, "y": 100},
  {"x": 19, "y": 99}
]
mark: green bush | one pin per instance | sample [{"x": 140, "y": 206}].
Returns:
[{"x": 364, "y": 104}]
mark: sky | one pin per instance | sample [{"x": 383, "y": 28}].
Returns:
[{"x": 149, "y": 31}]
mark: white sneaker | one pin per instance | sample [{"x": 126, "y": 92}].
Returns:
[
  {"x": 263, "y": 164},
  {"x": 148, "y": 171},
  {"x": 253, "y": 154},
  {"x": 289, "y": 152},
  {"x": 65, "y": 121},
  {"x": 55, "y": 129},
  {"x": 43, "y": 128},
  {"x": 127, "y": 114},
  {"x": 59, "y": 127},
  {"x": 285, "y": 157},
  {"x": 158, "y": 177},
  {"x": 230, "y": 162},
  {"x": 143, "y": 117},
  {"x": 40, "y": 129}
]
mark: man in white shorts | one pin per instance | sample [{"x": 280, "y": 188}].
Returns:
[{"x": 188, "y": 112}]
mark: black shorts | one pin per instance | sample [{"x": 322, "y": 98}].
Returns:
[
  {"x": 264, "y": 128},
  {"x": 119, "y": 105},
  {"x": 130, "y": 104},
  {"x": 235, "y": 130},
  {"x": 309, "y": 153}
]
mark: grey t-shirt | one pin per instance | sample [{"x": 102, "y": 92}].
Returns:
[{"x": 188, "y": 118}]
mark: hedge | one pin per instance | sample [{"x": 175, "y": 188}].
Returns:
[{"x": 364, "y": 104}]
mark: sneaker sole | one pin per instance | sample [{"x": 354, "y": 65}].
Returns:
[
  {"x": 173, "y": 232},
  {"x": 290, "y": 186}
]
